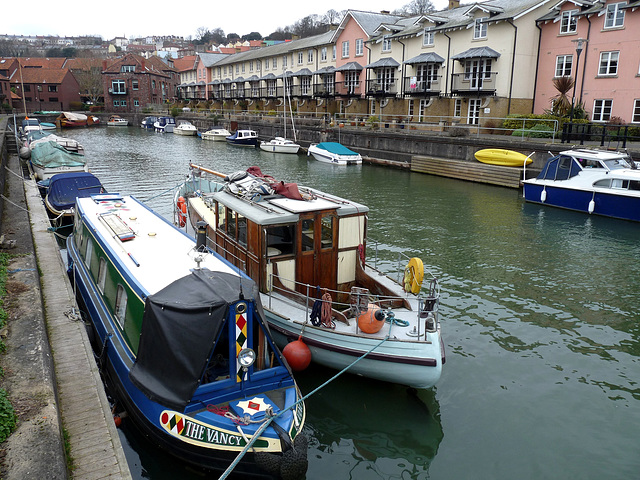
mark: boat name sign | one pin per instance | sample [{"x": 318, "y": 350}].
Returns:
[{"x": 192, "y": 431}]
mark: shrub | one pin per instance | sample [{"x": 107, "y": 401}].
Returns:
[
  {"x": 514, "y": 121},
  {"x": 8, "y": 416},
  {"x": 538, "y": 131},
  {"x": 175, "y": 111}
]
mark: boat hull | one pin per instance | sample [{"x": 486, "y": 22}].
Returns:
[
  {"x": 334, "y": 158},
  {"x": 180, "y": 131},
  {"x": 605, "y": 203},
  {"x": 275, "y": 148}
]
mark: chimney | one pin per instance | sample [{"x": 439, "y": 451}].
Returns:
[
  {"x": 104, "y": 65},
  {"x": 454, "y": 4},
  {"x": 384, "y": 12}
]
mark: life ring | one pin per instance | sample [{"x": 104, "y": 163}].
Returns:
[
  {"x": 413, "y": 275},
  {"x": 181, "y": 207}
]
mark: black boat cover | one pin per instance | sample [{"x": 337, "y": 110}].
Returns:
[{"x": 180, "y": 325}]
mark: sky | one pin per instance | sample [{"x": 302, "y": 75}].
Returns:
[{"x": 143, "y": 18}]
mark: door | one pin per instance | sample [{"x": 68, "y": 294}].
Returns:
[{"x": 317, "y": 251}]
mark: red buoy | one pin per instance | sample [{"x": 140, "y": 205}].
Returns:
[
  {"x": 297, "y": 354},
  {"x": 117, "y": 420}
]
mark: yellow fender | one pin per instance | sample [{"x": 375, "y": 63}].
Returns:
[{"x": 413, "y": 275}]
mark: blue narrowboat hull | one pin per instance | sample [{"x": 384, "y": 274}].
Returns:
[{"x": 606, "y": 204}]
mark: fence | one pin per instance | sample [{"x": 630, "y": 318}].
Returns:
[{"x": 602, "y": 133}]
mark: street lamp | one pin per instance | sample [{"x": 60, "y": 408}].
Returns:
[{"x": 579, "y": 46}]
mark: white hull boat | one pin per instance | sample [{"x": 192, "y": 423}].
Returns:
[
  {"x": 280, "y": 145},
  {"x": 334, "y": 153},
  {"x": 216, "y": 134}
]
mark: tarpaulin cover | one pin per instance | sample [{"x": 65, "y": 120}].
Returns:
[
  {"x": 64, "y": 188},
  {"x": 50, "y": 154},
  {"x": 180, "y": 325}
]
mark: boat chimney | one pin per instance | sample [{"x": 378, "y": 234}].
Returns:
[{"x": 201, "y": 236}]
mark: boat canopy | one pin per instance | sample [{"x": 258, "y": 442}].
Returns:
[
  {"x": 64, "y": 188},
  {"x": 337, "y": 148},
  {"x": 560, "y": 167},
  {"x": 51, "y": 154},
  {"x": 179, "y": 328}
]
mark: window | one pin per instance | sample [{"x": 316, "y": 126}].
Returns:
[
  {"x": 410, "y": 111},
  {"x": 52, "y": 88},
  {"x": 305, "y": 85},
  {"x": 153, "y": 84},
  {"x": 323, "y": 54},
  {"x": 275, "y": 63},
  {"x": 250, "y": 67},
  {"x": 427, "y": 38},
  {"x": 359, "y": 47},
  {"x": 136, "y": 103},
  {"x": 386, "y": 44},
  {"x": 128, "y": 68},
  {"x": 88, "y": 253},
  {"x": 345, "y": 49},
  {"x": 602, "y": 110},
  {"x": 284, "y": 61},
  {"x": 307, "y": 234},
  {"x": 118, "y": 86},
  {"x": 480, "y": 28},
  {"x": 53, "y": 99},
  {"x": 457, "y": 108},
  {"x": 333, "y": 52},
  {"x": 615, "y": 15},
  {"x": 300, "y": 58},
  {"x": 116, "y": 103},
  {"x": 123, "y": 103},
  {"x": 569, "y": 21},
  {"x": 636, "y": 111},
  {"x": 309, "y": 56},
  {"x": 121, "y": 305},
  {"x": 608, "y": 63},
  {"x": 326, "y": 231},
  {"x": 422, "y": 110},
  {"x": 134, "y": 84},
  {"x": 563, "y": 65},
  {"x": 102, "y": 274},
  {"x": 237, "y": 68}
]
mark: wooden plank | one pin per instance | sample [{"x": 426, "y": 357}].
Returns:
[{"x": 470, "y": 171}]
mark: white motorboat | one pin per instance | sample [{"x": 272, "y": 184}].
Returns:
[
  {"x": 117, "y": 121},
  {"x": 280, "y": 145},
  {"x": 591, "y": 181},
  {"x": 164, "y": 124},
  {"x": 305, "y": 249},
  {"x": 185, "y": 128},
  {"x": 335, "y": 153},
  {"x": 216, "y": 134}
]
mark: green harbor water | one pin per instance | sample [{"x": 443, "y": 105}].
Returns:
[{"x": 540, "y": 320}]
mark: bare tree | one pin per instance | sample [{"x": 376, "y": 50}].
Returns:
[{"x": 416, "y": 7}]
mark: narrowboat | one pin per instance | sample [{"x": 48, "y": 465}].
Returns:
[
  {"x": 306, "y": 251},
  {"x": 182, "y": 340}
]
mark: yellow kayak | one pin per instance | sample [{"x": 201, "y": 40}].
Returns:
[{"x": 506, "y": 158}]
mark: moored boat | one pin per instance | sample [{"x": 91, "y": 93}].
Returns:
[
  {"x": 183, "y": 341},
  {"x": 164, "y": 124},
  {"x": 335, "y": 153},
  {"x": 216, "y": 134},
  {"x": 243, "y": 138},
  {"x": 147, "y": 122},
  {"x": 117, "y": 121},
  {"x": 70, "y": 119},
  {"x": 280, "y": 145},
  {"x": 590, "y": 181},
  {"x": 49, "y": 158},
  {"x": 185, "y": 127},
  {"x": 61, "y": 191},
  {"x": 306, "y": 251},
  {"x": 29, "y": 125}
]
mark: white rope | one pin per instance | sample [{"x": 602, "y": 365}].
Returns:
[{"x": 14, "y": 204}]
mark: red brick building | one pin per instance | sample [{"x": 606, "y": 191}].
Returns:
[
  {"x": 132, "y": 82},
  {"x": 45, "y": 89}
]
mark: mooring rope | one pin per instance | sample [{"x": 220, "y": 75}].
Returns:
[
  {"x": 263, "y": 427},
  {"x": 162, "y": 193},
  {"x": 14, "y": 204}
]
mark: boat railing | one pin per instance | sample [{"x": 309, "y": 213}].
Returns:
[{"x": 314, "y": 298}]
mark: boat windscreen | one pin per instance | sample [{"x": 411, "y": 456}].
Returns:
[{"x": 180, "y": 325}]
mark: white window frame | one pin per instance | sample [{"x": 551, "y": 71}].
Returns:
[
  {"x": 300, "y": 58},
  {"x": 334, "y": 53},
  {"x": 457, "y": 108},
  {"x": 608, "y": 66},
  {"x": 275, "y": 62},
  {"x": 635, "y": 115},
  {"x": 423, "y": 106},
  {"x": 428, "y": 37},
  {"x": 345, "y": 49},
  {"x": 386, "y": 43},
  {"x": 614, "y": 15},
  {"x": 564, "y": 65},
  {"x": 310, "y": 56},
  {"x": 359, "y": 47},
  {"x": 323, "y": 54},
  {"x": 480, "y": 28},
  {"x": 569, "y": 21},
  {"x": 602, "y": 108},
  {"x": 284, "y": 61},
  {"x": 473, "y": 111}
]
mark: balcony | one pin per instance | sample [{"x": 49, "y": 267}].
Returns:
[
  {"x": 474, "y": 84},
  {"x": 428, "y": 86},
  {"x": 348, "y": 89},
  {"x": 382, "y": 88},
  {"x": 324, "y": 90}
]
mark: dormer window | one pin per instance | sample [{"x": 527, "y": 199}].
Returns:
[
  {"x": 127, "y": 68},
  {"x": 427, "y": 39},
  {"x": 615, "y": 15},
  {"x": 386, "y": 44},
  {"x": 569, "y": 21},
  {"x": 480, "y": 28}
]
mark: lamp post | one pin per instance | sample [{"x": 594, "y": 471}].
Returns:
[{"x": 579, "y": 47}]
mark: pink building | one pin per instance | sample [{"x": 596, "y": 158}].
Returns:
[{"x": 600, "y": 44}]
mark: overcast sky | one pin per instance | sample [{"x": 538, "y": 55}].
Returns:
[{"x": 141, "y": 18}]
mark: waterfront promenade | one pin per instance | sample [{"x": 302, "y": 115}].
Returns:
[{"x": 50, "y": 373}]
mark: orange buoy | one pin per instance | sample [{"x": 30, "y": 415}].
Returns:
[
  {"x": 182, "y": 211},
  {"x": 117, "y": 420},
  {"x": 371, "y": 320},
  {"x": 297, "y": 354}
]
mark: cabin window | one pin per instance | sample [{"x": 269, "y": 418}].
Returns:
[
  {"x": 121, "y": 305},
  {"x": 102, "y": 274},
  {"x": 88, "y": 253},
  {"x": 634, "y": 185},
  {"x": 280, "y": 240},
  {"x": 619, "y": 183},
  {"x": 231, "y": 223},
  {"x": 242, "y": 230},
  {"x": 606, "y": 183},
  {"x": 307, "y": 234},
  {"x": 327, "y": 231}
]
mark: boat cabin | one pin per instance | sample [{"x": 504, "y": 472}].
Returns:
[{"x": 312, "y": 240}]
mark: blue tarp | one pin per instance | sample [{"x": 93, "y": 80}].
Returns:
[{"x": 65, "y": 187}]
